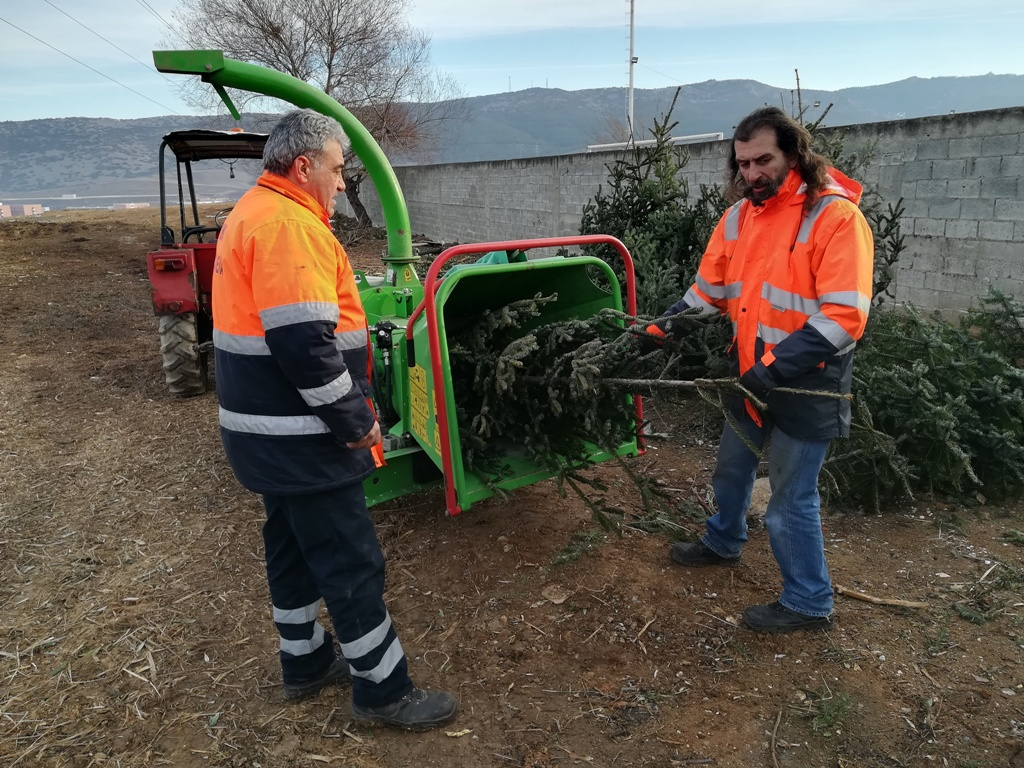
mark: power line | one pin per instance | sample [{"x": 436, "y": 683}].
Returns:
[
  {"x": 675, "y": 80},
  {"x": 108, "y": 77},
  {"x": 160, "y": 18},
  {"x": 101, "y": 37}
]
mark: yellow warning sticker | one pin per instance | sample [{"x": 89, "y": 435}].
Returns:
[{"x": 418, "y": 402}]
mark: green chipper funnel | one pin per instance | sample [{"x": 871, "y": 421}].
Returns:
[{"x": 457, "y": 301}]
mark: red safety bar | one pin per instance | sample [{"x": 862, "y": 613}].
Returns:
[{"x": 430, "y": 287}]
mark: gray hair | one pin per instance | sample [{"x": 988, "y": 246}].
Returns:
[{"x": 301, "y": 132}]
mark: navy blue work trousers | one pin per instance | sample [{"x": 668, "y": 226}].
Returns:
[{"x": 324, "y": 545}]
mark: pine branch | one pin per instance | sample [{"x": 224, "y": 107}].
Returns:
[{"x": 635, "y": 385}]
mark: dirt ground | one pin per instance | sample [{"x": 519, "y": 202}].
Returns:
[{"x": 137, "y": 625}]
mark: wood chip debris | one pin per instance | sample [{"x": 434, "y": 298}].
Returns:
[{"x": 555, "y": 593}]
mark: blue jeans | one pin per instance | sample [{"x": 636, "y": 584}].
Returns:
[{"x": 793, "y": 517}]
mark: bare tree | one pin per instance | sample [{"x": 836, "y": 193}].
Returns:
[
  {"x": 362, "y": 53},
  {"x": 612, "y": 130}
]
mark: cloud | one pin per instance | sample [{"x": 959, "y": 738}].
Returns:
[{"x": 470, "y": 18}]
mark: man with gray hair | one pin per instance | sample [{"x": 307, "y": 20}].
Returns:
[{"x": 291, "y": 353}]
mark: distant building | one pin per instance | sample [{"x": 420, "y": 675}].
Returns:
[
  {"x": 129, "y": 206},
  {"x": 5, "y": 211},
  {"x": 30, "y": 209}
]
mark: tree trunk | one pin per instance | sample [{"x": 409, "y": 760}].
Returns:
[{"x": 352, "y": 195}]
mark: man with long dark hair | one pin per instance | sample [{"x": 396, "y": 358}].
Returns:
[{"x": 791, "y": 264}]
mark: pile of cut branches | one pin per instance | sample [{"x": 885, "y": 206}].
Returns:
[
  {"x": 557, "y": 392},
  {"x": 938, "y": 407}
]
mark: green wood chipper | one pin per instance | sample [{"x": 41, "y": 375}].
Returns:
[{"x": 411, "y": 321}]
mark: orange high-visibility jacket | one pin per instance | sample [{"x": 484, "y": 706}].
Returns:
[
  {"x": 797, "y": 286},
  {"x": 291, "y": 345}
]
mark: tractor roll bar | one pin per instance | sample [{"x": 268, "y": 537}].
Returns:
[{"x": 221, "y": 72}]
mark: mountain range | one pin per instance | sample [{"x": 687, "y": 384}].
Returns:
[{"x": 100, "y": 161}]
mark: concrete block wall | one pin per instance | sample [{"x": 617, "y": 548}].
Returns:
[
  {"x": 960, "y": 177},
  {"x": 498, "y": 200}
]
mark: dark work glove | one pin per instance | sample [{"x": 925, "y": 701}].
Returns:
[
  {"x": 758, "y": 381},
  {"x": 647, "y": 341},
  {"x": 648, "y": 344}
]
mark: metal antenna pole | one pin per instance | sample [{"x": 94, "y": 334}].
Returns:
[{"x": 632, "y": 63}]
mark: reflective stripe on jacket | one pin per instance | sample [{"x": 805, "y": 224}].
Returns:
[
  {"x": 797, "y": 287},
  {"x": 291, "y": 345}
]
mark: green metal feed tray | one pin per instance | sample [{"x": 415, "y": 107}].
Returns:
[{"x": 457, "y": 301}]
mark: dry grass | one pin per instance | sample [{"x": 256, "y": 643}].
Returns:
[
  {"x": 135, "y": 609},
  {"x": 137, "y": 627}
]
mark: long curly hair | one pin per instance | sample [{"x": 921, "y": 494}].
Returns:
[{"x": 795, "y": 143}]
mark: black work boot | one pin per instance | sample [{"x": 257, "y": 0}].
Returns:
[
  {"x": 777, "y": 618},
  {"x": 418, "y": 710},
  {"x": 696, "y": 554},
  {"x": 336, "y": 673}
]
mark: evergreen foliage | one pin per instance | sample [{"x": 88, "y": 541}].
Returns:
[
  {"x": 939, "y": 408},
  {"x": 501, "y": 371},
  {"x": 998, "y": 323},
  {"x": 524, "y": 387},
  {"x": 885, "y": 224},
  {"x": 647, "y": 206}
]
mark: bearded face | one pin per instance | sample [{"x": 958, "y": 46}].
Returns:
[
  {"x": 763, "y": 187},
  {"x": 763, "y": 166}
]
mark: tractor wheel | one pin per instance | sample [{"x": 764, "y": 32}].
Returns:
[{"x": 184, "y": 364}]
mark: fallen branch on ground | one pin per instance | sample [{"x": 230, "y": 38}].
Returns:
[
  {"x": 877, "y": 600},
  {"x": 775, "y": 733}
]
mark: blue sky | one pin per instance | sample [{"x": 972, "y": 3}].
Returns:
[{"x": 492, "y": 47}]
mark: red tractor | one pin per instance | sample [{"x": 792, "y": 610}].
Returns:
[{"x": 181, "y": 269}]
